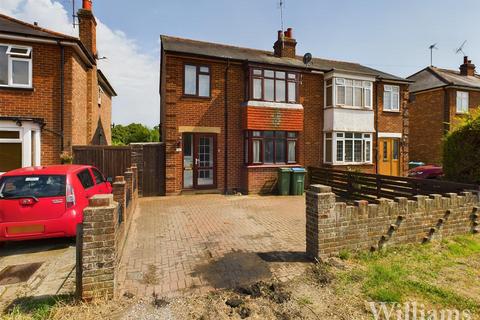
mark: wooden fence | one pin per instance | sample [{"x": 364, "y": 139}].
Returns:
[
  {"x": 366, "y": 186},
  {"x": 111, "y": 160}
]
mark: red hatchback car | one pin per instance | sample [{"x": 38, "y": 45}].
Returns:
[{"x": 46, "y": 202}]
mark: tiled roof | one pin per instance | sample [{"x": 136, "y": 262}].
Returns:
[
  {"x": 433, "y": 77},
  {"x": 216, "y": 50},
  {"x": 17, "y": 27}
]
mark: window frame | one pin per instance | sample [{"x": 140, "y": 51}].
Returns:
[
  {"x": 366, "y": 85},
  {"x": 24, "y": 57},
  {"x": 197, "y": 80},
  {"x": 392, "y": 93},
  {"x": 340, "y": 137},
  {"x": 262, "y": 77},
  {"x": 463, "y": 109},
  {"x": 250, "y": 137},
  {"x": 91, "y": 178}
]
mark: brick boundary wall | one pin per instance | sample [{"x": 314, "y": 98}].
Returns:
[
  {"x": 106, "y": 223},
  {"x": 332, "y": 227}
]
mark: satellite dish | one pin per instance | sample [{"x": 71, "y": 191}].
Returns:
[{"x": 307, "y": 58}]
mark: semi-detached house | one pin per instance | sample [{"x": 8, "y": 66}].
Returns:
[
  {"x": 52, "y": 95},
  {"x": 232, "y": 116}
]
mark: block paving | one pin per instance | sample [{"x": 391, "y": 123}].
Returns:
[{"x": 196, "y": 244}]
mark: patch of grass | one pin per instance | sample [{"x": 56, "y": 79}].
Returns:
[
  {"x": 35, "y": 308},
  {"x": 400, "y": 273},
  {"x": 344, "y": 254},
  {"x": 303, "y": 301}
]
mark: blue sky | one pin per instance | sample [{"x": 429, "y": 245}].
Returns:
[{"x": 392, "y": 36}]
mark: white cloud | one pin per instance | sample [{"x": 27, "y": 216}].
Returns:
[{"x": 133, "y": 74}]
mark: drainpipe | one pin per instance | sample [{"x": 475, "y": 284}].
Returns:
[
  {"x": 62, "y": 93},
  {"x": 225, "y": 174},
  {"x": 376, "y": 127}
]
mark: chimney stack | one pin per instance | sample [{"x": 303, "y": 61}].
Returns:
[
  {"x": 88, "y": 27},
  {"x": 467, "y": 68},
  {"x": 285, "y": 45}
]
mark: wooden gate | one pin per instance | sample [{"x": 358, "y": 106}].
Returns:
[
  {"x": 153, "y": 181},
  {"x": 111, "y": 160}
]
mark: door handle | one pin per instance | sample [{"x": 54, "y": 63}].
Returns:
[{"x": 196, "y": 161}]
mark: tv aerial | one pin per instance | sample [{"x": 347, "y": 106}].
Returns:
[
  {"x": 432, "y": 47},
  {"x": 281, "y": 6},
  {"x": 460, "y": 49}
]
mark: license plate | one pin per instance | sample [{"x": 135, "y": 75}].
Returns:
[{"x": 36, "y": 228}]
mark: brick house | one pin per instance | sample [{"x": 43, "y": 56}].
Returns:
[
  {"x": 52, "y": 95},
  {"x": 437, "y": 97},
  {"x": 231, "y": 116}
]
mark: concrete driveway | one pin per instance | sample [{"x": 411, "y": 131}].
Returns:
[
  {"x": 36, "y": 268},
  {"x": 204, "y": 242}
]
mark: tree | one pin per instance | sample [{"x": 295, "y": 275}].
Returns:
[
  {"x": 461, "y": 150},
  {"x": 134, "y": 132}
]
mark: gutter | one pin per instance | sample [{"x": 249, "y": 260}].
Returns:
[
  {"x": 376, "y": 128},
  {"x": 225, "y": 112},
  {"x": 62, "y": 96}
]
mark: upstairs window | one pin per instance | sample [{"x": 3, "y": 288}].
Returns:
[
  {"x": 15, "y": 66},
  {"x": 391, "y": 98},
  {"x": 100, "y": 94},
  {"x": 462, "y": 102},
  {"x": 352, "y": 93},
  {"x": 276, "y": 86},
  {"x": 196, "y": 81}
]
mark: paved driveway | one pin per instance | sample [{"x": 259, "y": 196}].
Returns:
[{"x": 203, "y": 242}]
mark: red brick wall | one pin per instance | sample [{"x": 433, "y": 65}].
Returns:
[
  {"x": 43, "y": 101},
  {"x": 262, "y": 118},
  {"x": 426, "y": 126}
]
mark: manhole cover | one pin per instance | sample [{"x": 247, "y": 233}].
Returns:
[{"x": 19, "y": 273}]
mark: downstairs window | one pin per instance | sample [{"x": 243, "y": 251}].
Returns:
[
  {"x": 270, "y": 147},
  {"x": 348, "y": 148}
]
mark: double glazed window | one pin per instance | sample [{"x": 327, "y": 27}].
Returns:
[
  {"x": 348, "y": 147},
  {"x": 350, "y": 93},
  {"x": 391, "y": 98},
  {"x": 271, "y": 85},
  {"x": 196, "y": 81},
  {"x": 462, "y": 102},
  {"x": 15, "y": 66},
  {"x": 270, "y": 147}
]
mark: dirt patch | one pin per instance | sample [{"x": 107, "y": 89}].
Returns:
[{"x": 236, "y": 268}]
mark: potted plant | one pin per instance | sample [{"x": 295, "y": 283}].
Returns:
[{"x": 66, "y": 157}]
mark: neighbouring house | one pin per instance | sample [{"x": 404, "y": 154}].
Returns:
[
  {"x": 52, "y": 95},
  {"x": 437, "y": 97},
  {"x": 232, "y": 116}
]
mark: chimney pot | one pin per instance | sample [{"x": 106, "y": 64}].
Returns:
[
  {"x": 87, "y": 5},
  {"x": 280, "y": 36},
  {"x": 290, "y": 32},
  {"x": 465, "y": 59}
]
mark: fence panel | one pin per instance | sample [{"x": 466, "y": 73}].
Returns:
[
  {"x": 358, "y": 185},
  {"x": 111, "y": 160}
]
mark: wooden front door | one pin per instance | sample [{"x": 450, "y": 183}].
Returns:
[
  {"x": 389, "y": 156},
  {"x": 199, "y": 161}
]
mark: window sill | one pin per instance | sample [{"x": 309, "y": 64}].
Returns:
[
  {"x": 253, "y": 166},
  {"x": 186, "y": 96},
  {"x": 350, "y": 164},
  {"x": 350, "y": 108},
  {"x": 14, "y": 88},
  {"x": 391, "y": 111}
]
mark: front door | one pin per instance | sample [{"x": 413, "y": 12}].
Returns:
[
  {"x": 199, "y": 167},
  {"x": 388, "y": 157}
]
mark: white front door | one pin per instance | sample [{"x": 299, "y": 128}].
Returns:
[{"x": 19, "y": 144}]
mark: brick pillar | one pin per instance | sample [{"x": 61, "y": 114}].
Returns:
[
  {"x": 98, "y": 251},
  {"x": 320, "y": 207},
  {"x": 129, "y": 189},
  {"x": 137, "y": 159},
  {"x": 119, "y": 195},
  {"x": 134, "y": 169}
]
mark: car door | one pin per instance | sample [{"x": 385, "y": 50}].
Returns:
[
  {"x": 100, "y": 181},
  {"x": 87, "y": 182}
]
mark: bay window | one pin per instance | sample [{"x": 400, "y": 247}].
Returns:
[
  {"x": 350, "y": 93},
  {"x": 15, "y": 66},
  {"x": 270, "y": 147},
  {"x": 348, "y": 148},
  {"x": 391, "y": 98},
  {"x": 273, "y": 85},
  {"x": 196, "y": 81}
]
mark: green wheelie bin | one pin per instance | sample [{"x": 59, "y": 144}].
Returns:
[
  {"x": 297, "y": 181},
  {"x": 284, "y": 181}
]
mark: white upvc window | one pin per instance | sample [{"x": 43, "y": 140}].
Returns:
[
  {"x": 348, "y": 148},
  {"x": 15, "y": 66},
  {"x": 100, "y": 94},
  {"x": 353, "y": 93},
  {"x": 391, "y": 98},
  {"x": 462, "y": 102}
]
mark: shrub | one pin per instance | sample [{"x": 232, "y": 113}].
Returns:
[{"x": 461, "y": 150}]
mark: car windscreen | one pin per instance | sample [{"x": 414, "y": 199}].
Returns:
[{"x": 38, "y": 186}]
